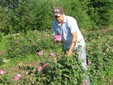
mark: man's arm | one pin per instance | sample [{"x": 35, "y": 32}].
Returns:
[{"x": 73, "y": 43}]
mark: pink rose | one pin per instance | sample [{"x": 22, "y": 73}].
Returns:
[
  {"x": 16, "y": 78},
  {"x": 45, "y": 64},
  {"x": 84, "y": 82},
  {"x": 52, "y": 54},
  {"x": 39, "y": 68},
  {"x": 57, "y": 38},
  {"x": 40, "y": 53},
  {"x": 18, "y": 75},
  {"x": 2, "y": 71}
]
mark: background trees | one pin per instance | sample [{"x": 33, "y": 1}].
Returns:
[
  {"x": 100, "y": 11},
  {"x": 22, "y": 15}
]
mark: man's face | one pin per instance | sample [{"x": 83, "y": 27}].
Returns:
[{"x": 60, "y": 18}]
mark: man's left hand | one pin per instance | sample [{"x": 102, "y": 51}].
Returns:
[{"x": 69, "y": 52}]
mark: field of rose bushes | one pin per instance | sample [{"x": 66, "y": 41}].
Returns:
[{"x": 35, "y": 58}]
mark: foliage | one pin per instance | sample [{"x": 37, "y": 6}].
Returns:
[
  {"x": 52, "y": 66},
  {"x": 31, "y": 42},
  {"x": 100, "y": 12},
  {"x": 58, "y": 71},
  {"x": 1, "y": 36},
  {"x": 50, "y": 69},
  {"x": 100, "y": 52},
  {"x": 20, "y": 16}
]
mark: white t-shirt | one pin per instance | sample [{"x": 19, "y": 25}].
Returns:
[{"x": 69, "y": 25}]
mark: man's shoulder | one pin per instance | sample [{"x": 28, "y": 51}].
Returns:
[
  {"x": 54, "y": 22},
  {"x": 70, "y": 18}
]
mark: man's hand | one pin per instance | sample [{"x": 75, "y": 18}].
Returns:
[{"x": 69, "y": 52}]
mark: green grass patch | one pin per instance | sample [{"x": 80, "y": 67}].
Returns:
[{"x": 15, "y": 61}]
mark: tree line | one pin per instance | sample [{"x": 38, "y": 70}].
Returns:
[{"x": 23, "y": 15}]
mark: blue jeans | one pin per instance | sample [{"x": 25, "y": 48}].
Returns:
[{"x": 81, "y": 51}]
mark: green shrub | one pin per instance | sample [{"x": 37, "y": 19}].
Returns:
[
  {"x": 61, "y": 68},
  {"x": 63, "y": 72},
  {"x": 99, "y": 54},
  {"x": 30, "y": 43},
  {"x": 1, "y": 36},
  {"x": 21, "y": 16}
]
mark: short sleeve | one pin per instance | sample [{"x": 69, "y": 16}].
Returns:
[{"x": 73, "y": 25}]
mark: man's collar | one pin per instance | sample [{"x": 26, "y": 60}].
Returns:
[{"x": 64, "y": 18}]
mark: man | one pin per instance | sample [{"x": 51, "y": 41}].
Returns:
[{"x": 67, "y": 27}]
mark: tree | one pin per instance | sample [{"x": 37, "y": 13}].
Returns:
[{"x": 100, "y": 12}]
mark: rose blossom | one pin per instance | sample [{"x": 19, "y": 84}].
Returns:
[
  {"x": 40, "y": 53},
  {"x": 39, "y": 68},
  {"x": 52, "y": 54},
  {"x": 45, "y": 64},
  {"x": 17, "y": 77},
  {"x": 2, "y": 71},
  {"x": 84, "y": 82},
  {"x": 57, "y": 38}
]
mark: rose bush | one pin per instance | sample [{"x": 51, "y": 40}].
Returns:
[{"x": 53, "y": 67}]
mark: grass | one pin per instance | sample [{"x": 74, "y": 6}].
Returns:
[{"x": 15, "y": 61}]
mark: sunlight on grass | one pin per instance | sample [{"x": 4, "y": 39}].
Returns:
[{"x": 15, "y": 61}]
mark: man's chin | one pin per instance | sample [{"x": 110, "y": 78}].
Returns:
[{"x": 58, "y": 22}]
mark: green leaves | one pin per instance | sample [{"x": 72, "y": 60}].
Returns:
[
  {"x": 58, "y": 68},
  {"x": 21, "y": 16},
  {"x": 99, "y": 53}
]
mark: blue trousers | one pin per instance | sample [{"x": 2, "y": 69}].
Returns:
[{"x": 81, "y": 51}]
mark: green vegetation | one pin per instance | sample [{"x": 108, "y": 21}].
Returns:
[
  {"x": 20, "y": 16},
  {"x": 22, "y": 57},
  {"x": 27, "y": 48}
]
